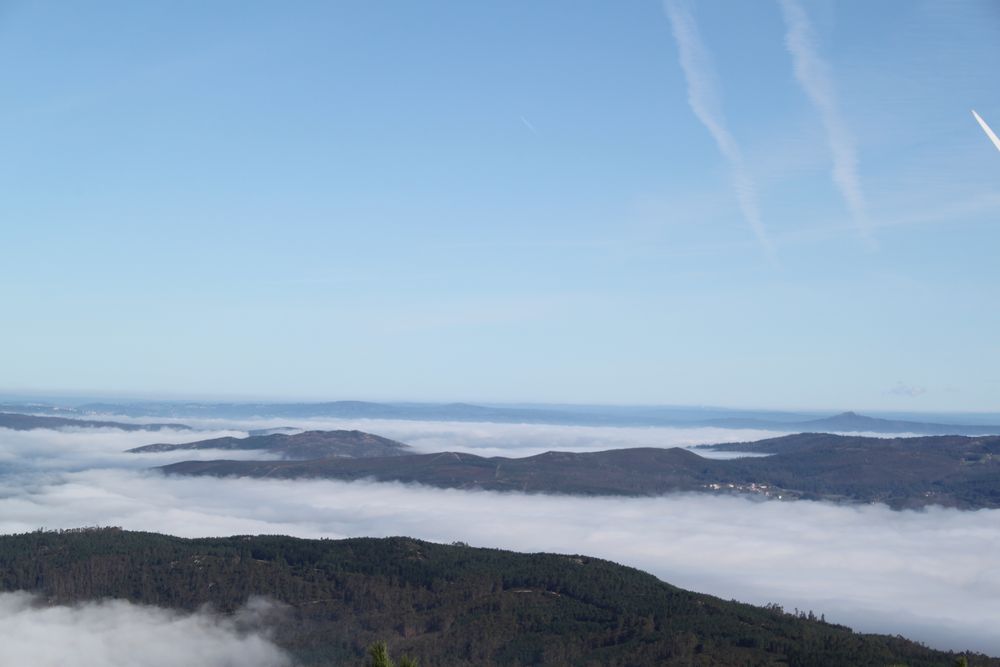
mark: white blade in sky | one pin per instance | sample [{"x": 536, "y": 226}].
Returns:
[{"x": 987, "y": 130}]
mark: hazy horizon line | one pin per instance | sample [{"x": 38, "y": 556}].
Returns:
[{"x": 69, "y": 398}]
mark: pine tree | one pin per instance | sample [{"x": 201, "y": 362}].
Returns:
[{"x": 378, "y": 656}]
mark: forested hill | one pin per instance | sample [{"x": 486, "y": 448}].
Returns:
[
  {"x": 22, "y": 422},
  {"x": 820, "y": 441},
  {"x": 296, "y": 446},
  {"x": 448, "y": 606},
  {"x": 954, "y": 471},
  {"x": 852, "y": 422}
]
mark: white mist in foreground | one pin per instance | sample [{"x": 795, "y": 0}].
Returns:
[
  {"x": 928, "y": 575},
  {"x": 119, "y": 634}
]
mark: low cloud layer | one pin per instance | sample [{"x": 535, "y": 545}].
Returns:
[
  {"x": 930, "y": 575},
  {"x": 119, "y": 634}
]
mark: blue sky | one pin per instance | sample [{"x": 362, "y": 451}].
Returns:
[{"x": 768, "y": 204}]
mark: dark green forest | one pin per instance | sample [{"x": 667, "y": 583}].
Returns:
[{"x": 443, "y": 605}]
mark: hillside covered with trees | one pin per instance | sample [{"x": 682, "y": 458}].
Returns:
[
  {"x": 953, "y": 471},
  {"x": 444, "y": 605},
  {"x": 295, "y": 446}
]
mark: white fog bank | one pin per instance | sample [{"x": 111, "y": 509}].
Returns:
[
  {"x": 929, "y": 575},
  {"x": 116, "y": 633}
]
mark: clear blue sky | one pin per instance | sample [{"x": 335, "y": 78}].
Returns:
[{"x": 574, "y": 201}]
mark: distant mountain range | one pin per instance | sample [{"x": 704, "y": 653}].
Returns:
[
  {"x": 954, "y": 471},
  {"x": 443, "y": 605},
  {"x": 785, "y": 422},
  {"x": 297, "y": 446},
  {"x": 852, "y": 422},
  {"x": 22, "y": 422}
]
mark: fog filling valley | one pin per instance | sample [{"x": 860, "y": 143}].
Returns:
[
  {"x": 929, "y": 575},
  {"x": 116, "y": 633}
]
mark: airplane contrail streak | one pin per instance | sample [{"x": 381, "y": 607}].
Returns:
[
  {"x": 813, "y": 73},
  {"x": 705, "y": 100},
  {"x": 987, "y": 130}
]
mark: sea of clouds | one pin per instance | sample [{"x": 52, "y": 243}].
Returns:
[{"x": 929, "y": 575}]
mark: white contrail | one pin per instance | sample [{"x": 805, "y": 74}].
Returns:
[
  {"x": 813, "y": 74},
  {"x": 527, "y": 124},
  {"x": 987, "y": 130},
  {"x": 705, "y": 101}
]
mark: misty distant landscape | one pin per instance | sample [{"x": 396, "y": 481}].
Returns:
[
  {"x": 309, "y": 474},
  {"x": 953, "y": 471},
  {"x": 464, "y": 412}
]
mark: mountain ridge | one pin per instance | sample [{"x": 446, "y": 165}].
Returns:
[
  {"x": 23, "y": 422},
  {"x": 953, "y": 471},
  {"x": 295, "y": 446}
]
